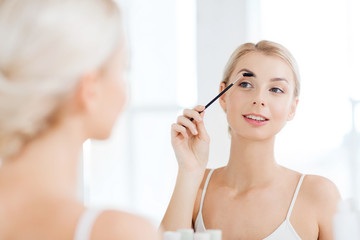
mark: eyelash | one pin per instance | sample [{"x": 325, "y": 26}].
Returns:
[
  {"x": 243, "y": 83},
  {"x": 277, "y": 90},
  {"x": 248, "y": 85}
]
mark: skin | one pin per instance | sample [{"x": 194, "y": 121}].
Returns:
[
  {"x": 38, "y": 185},
  {"x": 250, "y": 197}
]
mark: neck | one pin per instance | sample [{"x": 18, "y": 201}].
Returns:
[
  {"x": 48, "y": 164},
  {"x": 251, "y": 163}
]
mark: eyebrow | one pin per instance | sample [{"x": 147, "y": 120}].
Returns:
[
  {"x": 246, "y": 70},
  {"x": 279, "y": 79}
]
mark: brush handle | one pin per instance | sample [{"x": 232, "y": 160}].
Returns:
[
  {"x": 219, "y": 95},
  {"x": 223, "y": 91},
  {"x": 215, "y": 98}
]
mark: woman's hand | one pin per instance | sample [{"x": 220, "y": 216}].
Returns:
[{"x": 190, "y": 140}]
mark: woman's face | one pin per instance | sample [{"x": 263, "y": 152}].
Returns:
[
  {"x": 113, "y": 94},
  {"x": 258, "y": 107}
]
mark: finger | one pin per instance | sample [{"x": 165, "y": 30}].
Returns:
[
  {"x": 177, "y": 130},
  {"x": 192, "y": 114},
  {"x": 202, "y": 129},
  {"x": 199, "y": 108},
  {"x": 188, "y": 124}
]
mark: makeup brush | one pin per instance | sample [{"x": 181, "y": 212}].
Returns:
[{"x": 223, "y": 91}]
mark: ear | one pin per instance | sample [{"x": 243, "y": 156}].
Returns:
[
  {"x": 88, "y": 92},
  {"x": 293, "y": 109},
  {"x": 222, "y": 99}
]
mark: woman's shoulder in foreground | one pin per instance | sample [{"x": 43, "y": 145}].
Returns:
[
  {"x": 319, "y": 188},
  {"x": 316, "y": 188},
  {"x": 113, "y": 224},
  {"x": 321, "y": 196}
]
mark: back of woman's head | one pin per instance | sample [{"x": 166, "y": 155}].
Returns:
[{"x": 45, "y": 47}]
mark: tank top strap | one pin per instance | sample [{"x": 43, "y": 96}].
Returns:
[
  {"x": 86, "y": 222},
  {"x": 204, "y": 190},
  {"x": 294, "y": 197}
]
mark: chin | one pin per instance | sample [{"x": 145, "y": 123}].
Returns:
[
  {"x": 255, "y": 138},
  {"x": 253, "y": 135},
  {"x": 101, "y": 135},
  {"x": 105, "y": 136}
]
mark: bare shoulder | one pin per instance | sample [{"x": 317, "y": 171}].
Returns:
[
  {"x": 113, "y": 224},
  {"x": 321, "y": 192},
  {"x": 320, "y": 188}
]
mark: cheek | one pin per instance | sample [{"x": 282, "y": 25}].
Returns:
[
  {"x": 118, "y": 97},
  {"x": 236, "y": 100},
  {"x": 233, "y": 106},
  {"x": 114, "y": 101},
  {"x": 280, "y": 110},
  {"x": 122, "y": 93},
  {"x": 236, "y": 106}
]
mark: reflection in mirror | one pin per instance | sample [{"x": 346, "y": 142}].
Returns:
[{"x": 131, "y": 171}]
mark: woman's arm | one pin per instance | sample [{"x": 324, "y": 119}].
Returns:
[
  {"x": 180, "y": 210},
  {"x": 191, "y": 146}
]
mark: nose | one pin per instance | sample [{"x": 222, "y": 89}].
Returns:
[
  {"x": 259, "y": 97},
  {"x": 261, "y": 103}
]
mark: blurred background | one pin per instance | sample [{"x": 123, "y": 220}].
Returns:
[{"x": 178, "y": 50}]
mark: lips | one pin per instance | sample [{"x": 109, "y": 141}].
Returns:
[{"x": 255, "y": 119}]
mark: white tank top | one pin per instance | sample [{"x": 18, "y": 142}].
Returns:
[
  {"x": 284, "y": 231},
  {"x": 86, "y": 222}
]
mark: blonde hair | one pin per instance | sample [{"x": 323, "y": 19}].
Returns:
[
  {"x": 46, "y": 45},
  {"x": 268, "y": 48}
]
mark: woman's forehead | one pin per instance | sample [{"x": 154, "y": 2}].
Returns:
[{"x": 261, "y": 64}]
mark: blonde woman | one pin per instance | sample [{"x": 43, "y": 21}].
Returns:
[
  {"x": 252, "y": 197},
  {"x": 61, "y": 82}
]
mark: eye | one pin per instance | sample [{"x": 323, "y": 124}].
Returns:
[
  {"x": 276, "y": 90},
  {"x": 245, "y": 85}
]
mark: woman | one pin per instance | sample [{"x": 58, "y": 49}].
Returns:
[
  {"x": 61, "y": 67},
  {"x": 252, "y": 197}
]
